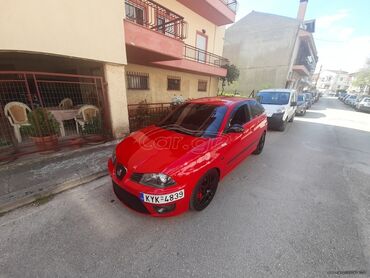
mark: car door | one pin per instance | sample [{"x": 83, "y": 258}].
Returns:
[
  {"x": 258, "y": 121},
  {"x": 238, "y": 145}
]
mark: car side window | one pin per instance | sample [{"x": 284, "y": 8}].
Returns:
[
  {"x": 241, "y": 116},
  {"x": 256, "y": 108}
]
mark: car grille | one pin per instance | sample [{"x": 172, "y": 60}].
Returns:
[{"x": 128, "y": 199}]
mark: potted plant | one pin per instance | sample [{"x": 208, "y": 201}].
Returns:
[
  {"x": 43, "y": 129},
  {"x": 93, "y": 130}
]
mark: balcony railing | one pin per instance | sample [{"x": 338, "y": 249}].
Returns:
[
  {"x": 231, "y": 4},
  {"x": 155, "y": 17},
  {"x": 201, "y": 56}
]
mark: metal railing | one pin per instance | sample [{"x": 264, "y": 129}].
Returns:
[
  {"x": 145, "y": 114},
  {"x": 38, "y": 104},
  {"x": 156, "y": 17},
  {"x": 201, "y": 56},
  {"x": 231, "y": 4}
]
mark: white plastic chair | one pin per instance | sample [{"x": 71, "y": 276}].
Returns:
[
  {"x": 85, "y": 114},
  {"x": 66, "y": 103},
  {"x": 16, "y": 112}
]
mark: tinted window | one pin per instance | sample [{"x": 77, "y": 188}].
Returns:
[
  {"x": 300, "y": 98},
  {"x": 274, "y": 98},
  {"x": 241, "y": 116},
  {"x": 256, "y": 108},
  {"x": 196, "y": 119}
]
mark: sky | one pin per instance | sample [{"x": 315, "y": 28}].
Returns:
[{"x": 342, "y": 34}]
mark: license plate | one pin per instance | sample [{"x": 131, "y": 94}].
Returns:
[{"x": 162, "y": 199}]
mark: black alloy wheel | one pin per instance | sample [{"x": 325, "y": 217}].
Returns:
[{"x": 205, "y": 190}]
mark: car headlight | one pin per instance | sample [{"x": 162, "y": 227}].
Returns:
[
  {"x": 114, "y": 157},
  {"x": 157, "y": 180},
  {"x": 280, "y": 111}
]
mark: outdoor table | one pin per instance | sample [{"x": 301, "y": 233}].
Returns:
[{"x": 62, "y": 115}]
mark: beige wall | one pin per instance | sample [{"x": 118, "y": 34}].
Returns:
[
  {"x": 158, "y": 85},
  {"x": 197, "y": 23},
  {"x": 116, "y": 91},
  {"x": 89, "y": 29}
]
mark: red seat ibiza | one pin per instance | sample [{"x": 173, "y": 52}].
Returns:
[{"x": 165, "y": 169}]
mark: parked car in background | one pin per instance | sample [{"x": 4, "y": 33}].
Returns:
[
  {"x": 165, "y": 169},
  {"x": 301, "y": 105},
  {"x": 351, "y": 100},
  {"x": 309, "y": 99},
  {"x": 342, "y": 95},
  {"x": 364, "y": 104},
  {"x": 345, "y": 98},
  {"x": 280, "y": 106}
]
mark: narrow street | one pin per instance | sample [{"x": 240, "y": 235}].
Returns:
[{"x": 300, "y": 209}]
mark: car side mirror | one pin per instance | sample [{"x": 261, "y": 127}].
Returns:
[
  {"x": 293, "y": 103},
  {"x": 235, "y": 129}
]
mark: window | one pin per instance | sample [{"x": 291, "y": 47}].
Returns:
[
  {"x": 256, "y": 108},
  {"x": 241, "y": 116},
  {"x": 174, "y": 83},
  {"x": 134, "y": 13},
  {"x": 202, "y": 85},
  {"x": 273, "y": 98},
  {"x": 137, "y": 81},
  {"x": 196, "y": 119}
]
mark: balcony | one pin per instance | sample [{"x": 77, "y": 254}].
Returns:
[
  {"x": 152, "y": 32},
  {"x": 220, "y": 12},
  {"x": 196, "y": 60}
]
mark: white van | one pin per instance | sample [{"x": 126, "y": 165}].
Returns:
[{"x": 280, "y": 106}]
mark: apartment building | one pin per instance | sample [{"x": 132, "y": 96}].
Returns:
[
  {"x": 106, "y": 55},
  {"x": 174, "y": 48},
  {"x": 333, "y": 80},
  {"x": 272, "y": 51}
]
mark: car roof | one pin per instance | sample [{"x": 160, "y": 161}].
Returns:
[
  {"x": 278, "y": 90},
  {"x": 221, "y": 100}
]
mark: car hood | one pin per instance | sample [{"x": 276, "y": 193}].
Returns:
[
  {"x": 271, "y": 109},
  {"x": 157, "y": 150}
]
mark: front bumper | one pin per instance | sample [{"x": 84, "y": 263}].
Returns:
[
  {"x": 300, "y": 110},
  {"x": 129, "y": 193},
  {"x": 364, "y": 108},
  {"x": 276, "y": 120}
]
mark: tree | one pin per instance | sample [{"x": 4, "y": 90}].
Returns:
[
  {"x": 231, "y": 75},
  {"x": 362, "y": 78}
]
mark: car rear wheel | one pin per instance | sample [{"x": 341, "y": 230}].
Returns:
[
  {"x": 261, "y": 144},
  {"x": 204, "y": 191}
]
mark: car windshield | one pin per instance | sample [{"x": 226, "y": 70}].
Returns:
[
  {"x": 353, "y": 97},
  {"x": 300, "y": 98},
  {"x": 275, "y": 98},
  {"x": 196, "y": 119}
]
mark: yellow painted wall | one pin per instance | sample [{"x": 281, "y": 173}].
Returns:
[
  {"x": 117, "y": 99},
  {"x": 158, "y": 85},
  {"x": 89, "y": 29},
  {"x": 197, "y": 23}
]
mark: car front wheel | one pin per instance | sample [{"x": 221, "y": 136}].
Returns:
[
  {"x": 261, "y": 144},
  {"x": 204, "y": 191}
]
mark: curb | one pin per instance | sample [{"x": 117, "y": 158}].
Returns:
[{"x": 15, "y": 203}]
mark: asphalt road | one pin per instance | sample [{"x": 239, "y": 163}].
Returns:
[{"x": 300, "y": 209}]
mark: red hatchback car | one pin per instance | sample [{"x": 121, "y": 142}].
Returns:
[{"x": 165, "y": 169}]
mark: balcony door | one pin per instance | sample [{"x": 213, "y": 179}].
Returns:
[{"x": 201, "y": 45}]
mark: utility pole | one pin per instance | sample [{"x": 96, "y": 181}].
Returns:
[{"x": 318, "y": 77}]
